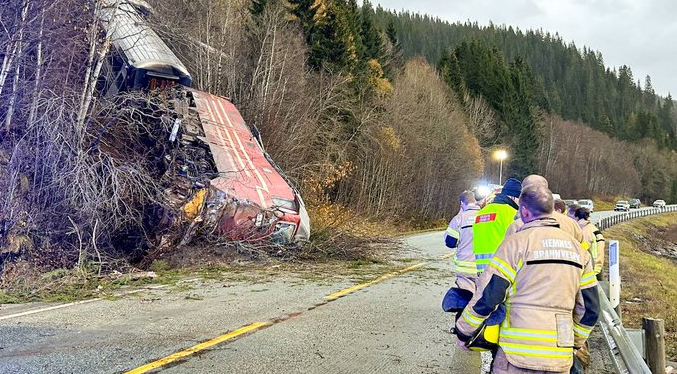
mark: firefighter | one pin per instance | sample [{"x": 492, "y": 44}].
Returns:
[
  {"x": 593, "y": 237},
  {"x": 488, "y": 232},
  {"x": 459, "y": 236},
  {"x": 546, "y": 279},
  {"x": 566, "y": 223},
  {"x": 560, "y": 206},
  {"x": 492, "y": 222}
]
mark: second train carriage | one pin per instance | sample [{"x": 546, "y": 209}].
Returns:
[{"x": 138, "y": 58}]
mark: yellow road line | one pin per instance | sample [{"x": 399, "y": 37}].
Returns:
[
  {"x": 258, "y": 325},
  {"x": 352, "y": 289},
  {"x": 202, "y": 346}
]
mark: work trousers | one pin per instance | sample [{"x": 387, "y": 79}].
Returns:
[{"x": 503, "y": 366}]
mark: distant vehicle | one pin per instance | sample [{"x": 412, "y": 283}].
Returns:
[
  {"x": 570, "y": 202},
  {"x": 587, "y": 203},
  {"x": 622, "y": 205},
  {"x": 659, "y": 204},
  {"x": 635, "y": 204}
]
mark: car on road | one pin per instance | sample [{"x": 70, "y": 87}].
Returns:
[
  {"x": 570, "y": 202},
  {"x": 635, "y": 204},
  {"x": 622, "y": 205},
  {"x": 587, "y": 203},
  {"x": 659, "y": 204}
]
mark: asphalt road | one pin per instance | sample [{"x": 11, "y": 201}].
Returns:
[
  {"x": 395, "y": 325},
  {"x": 392, "y": 325}
]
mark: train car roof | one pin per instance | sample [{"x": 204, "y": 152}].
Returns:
[
  {"x": 133, "y": 36},
  {"x": 246, "y": 172}
]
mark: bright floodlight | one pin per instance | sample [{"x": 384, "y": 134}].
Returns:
[
  {"x": 483, "y": 191},
  {"x": 501, "y": 154}
]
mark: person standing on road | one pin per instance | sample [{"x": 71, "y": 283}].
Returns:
[
  {"x": 492, "y": 221},
  {"x": 546, "y": 279},
  {"x": 566, "y": 223},
  {"x": 459, "y": 236},
  {"x": 491, "y": 224},
  {"x": 593, "y": 236}
]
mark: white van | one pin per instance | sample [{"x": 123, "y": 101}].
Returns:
[{"x": 586, "y": 203}]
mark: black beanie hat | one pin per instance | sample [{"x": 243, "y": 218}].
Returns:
[{"x": 512, "y": 187}]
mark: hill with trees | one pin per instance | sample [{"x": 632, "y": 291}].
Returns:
[
  {"x": 569, "y": 81},
  {"x": 541, "y": 89}
]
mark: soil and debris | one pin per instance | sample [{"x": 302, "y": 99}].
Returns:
[{"x": 133, "y": 190}]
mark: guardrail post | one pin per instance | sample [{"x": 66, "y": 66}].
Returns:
[
  {"x": 615, "y": 276},
  {"x": 654, "y": 341}
]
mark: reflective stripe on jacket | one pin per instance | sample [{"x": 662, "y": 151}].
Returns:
[
  {"x": 489, "y": 229},
  {"x": 464, "y": 258},
  {"x": 546, "y": 280},
  {"x": 596, "y": 243}
]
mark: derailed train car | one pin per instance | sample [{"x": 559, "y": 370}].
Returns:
[
  {"x": 256, "y": 200},
  {"x": 247, "y": 172}
]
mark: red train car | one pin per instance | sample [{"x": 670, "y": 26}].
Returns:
[{"x": 248, "y": 174}]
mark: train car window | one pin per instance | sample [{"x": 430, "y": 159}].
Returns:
[
  {"x": 156, "y": 80},
  {"x": 156, "y": 83}
]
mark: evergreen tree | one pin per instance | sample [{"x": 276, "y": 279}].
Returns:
[
  {"x": 666, "y": 122},
  {"x": 649, "y": 94},
  {"x": 450, "y": 70},
  {"x": 526, "y": 137},
  {"x": 258, "y": 7},
  {"x": 304, "y": 12},
  {"x": 371, "y": 38},
  {"x": 327, "y": 27},
  {"x": 391, "y": 33}
]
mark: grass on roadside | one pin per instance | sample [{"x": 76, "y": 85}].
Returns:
[
  {"x": 344, "y": 243},
  {"x": 649, "y": 285},
  {"x": 603, "y": 203}
]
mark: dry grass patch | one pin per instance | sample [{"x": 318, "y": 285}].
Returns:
[
  {"x": 649, "y": 287},
  {"x": 607, "y": 202}
]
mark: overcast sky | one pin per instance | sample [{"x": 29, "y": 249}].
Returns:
[{"x": 639, "y": 33}]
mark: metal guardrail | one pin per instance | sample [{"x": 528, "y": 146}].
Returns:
[
  {"x": 624, "y": 354},
  {"x": 607, "y": 222}
]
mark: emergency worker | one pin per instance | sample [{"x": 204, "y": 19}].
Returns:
[
  {"x": 560, "y": 206},
  {"x": 492, "y": 222},
  {"x": 459, "y": 236},
  {"x": 567, "y": 224},
  {"x": 593, "y": 236},
  {"x": 546, "y": 279}
]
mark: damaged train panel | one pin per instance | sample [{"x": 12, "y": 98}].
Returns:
[{"x": 263, "y": 197}]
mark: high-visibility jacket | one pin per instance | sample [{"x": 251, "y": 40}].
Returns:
[
  {"x": 546, "y": 281},
  {"x": 595, "y": 241},
  {"x": 491, "y": 224},
  {"x": 459, "y": 236}
]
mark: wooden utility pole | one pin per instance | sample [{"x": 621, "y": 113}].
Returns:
[{"x": 654, "y": 342}]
